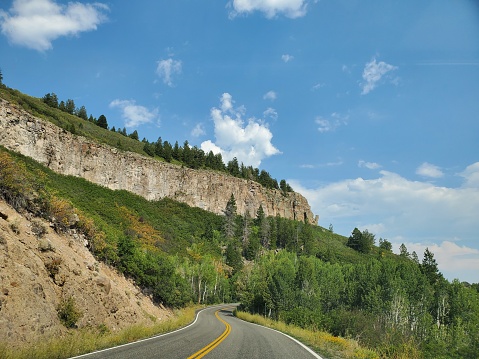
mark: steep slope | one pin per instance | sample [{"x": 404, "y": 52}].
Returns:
[
  {"x": 38, "y": 273},
  {"x": 74, "y": 155}
]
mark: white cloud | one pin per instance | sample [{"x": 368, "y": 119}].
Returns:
[
  {"x": 287, "y": 58},
  {"x": 270, "y": 113},
  {"x": 249, "y": 142},
  {"x": 330, "y": 124},
  {"x": 36, "y": 23},
  {"x": 369, "y": 165},
  {"x": 373, "y": 73},
  {"x": 270, "y": 95},
  {"x": 404, "y": 211},
  {"x": 167, "y": 68},
  {"x": 454, "y": 261},
  {"x": 318, "y": 86},
  {"x": 271, "y": 8},
  {"x": 429, "y": 170},
  {"x": 198, "y": 130},
  {"x": 471, "y": 176},
  {"x": 133, "y": 114}
]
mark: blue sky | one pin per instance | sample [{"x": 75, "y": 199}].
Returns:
[{"x": 368, "y": 108}]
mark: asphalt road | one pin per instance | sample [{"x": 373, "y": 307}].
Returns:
[{"x": 215, "y": 334}]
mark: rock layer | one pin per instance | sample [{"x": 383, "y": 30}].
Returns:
[{"x": 74, "y": 155}]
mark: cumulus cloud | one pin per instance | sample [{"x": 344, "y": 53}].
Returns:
[
  {"x": 270, "y": 95},
  {"x": 331, "y": 123},
  {"x": 287, "y": 58},
  {"x": 471, "y": 176},
  {"x": 401, "y": 210},
  {"x": 133, "y": 114},
  {"x": 368, "y": 165},
  {"x": 271, "y": 8},
  {"x": 429, "y": 170},
  {"x": 373, "y": 73},
  {"x": 36, "y": 23},
  {"x": 165, "y": 69},
  {"x": 249, "y": 141}
]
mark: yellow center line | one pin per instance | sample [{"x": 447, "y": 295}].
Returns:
[{"x": 202, "y": 352}]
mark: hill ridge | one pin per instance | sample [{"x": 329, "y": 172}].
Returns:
[{"x": 70, "y": 154}]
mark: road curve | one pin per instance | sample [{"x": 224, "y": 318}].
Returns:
[{"x": 215, "y": 334}]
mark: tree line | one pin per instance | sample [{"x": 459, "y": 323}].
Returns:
[{"x": 192, "y": 157}]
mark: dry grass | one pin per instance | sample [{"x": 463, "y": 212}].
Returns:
[
  {"x": 83, "y": 341},
  {"x": 323, "y": 343}
]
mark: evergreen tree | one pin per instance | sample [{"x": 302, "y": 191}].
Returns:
[
  {"x": 403, "y": 251},
  {"x": 429, "y": 267},
  {"x": 229, "y": 225},
  {"x": 167, "y": 151},
  {"x": 62, "y": 106},
  {"x": 159, "y": 147},
  {"x": 233, "y": 167},
  {"x": 102, "y": 122},
  {"x": 1, "y": 77},
  {"x": 51, "y": 100},
  {"x": 354, "y": 240},
  {"x": 81, "y": 112},
  {"x": 70, "y": 106},
  {"x": 134, "y": 135},
  {"x": 176, "y": 152}
]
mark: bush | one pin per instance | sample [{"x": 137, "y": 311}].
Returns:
[
  {"x": 38, "y": 228},
  {"x": 68, "y": 313}
]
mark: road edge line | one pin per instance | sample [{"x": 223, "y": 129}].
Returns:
[
  {"x": 308, "y": 349},
  {"x": 140, "y": 340}
]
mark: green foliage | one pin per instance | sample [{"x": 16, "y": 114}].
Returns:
[{"x": 68, "y": 313}]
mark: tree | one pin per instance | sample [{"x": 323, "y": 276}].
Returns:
[
  {"x": 385, "y": 245},
  {"x": 102, "y": 122},
  {"x": 159, "y": 147},
  {"x": 230, "y": 218},
  {"x": 1, "y": 77},
  {"x": 167, "y": 151},
  {"x": 81, "y": 112},
  {"x": 51, "y": 100},
  {"x": 233, "y": 167},
  {"x": 354, "y": 240},
  {"x": 134, "y": 135},
  {"x": 403, "y": 251},
  {"x": 429, "y": 267},
  {"x": 70, "y": 106}
]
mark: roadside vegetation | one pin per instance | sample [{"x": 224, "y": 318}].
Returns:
[
  {"x": 88, "y": 339},
  {"x": 399, "y": 306}
]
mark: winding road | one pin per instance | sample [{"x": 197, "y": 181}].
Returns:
[{"x": 214, "y": 334}]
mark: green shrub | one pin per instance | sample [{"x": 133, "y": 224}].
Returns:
[{"x": 68, "y": 313}]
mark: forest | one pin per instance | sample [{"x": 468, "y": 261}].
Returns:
[{"x": 400, "y": 306}]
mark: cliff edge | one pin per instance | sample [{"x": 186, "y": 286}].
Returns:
[{"x": 69, "y": 154}]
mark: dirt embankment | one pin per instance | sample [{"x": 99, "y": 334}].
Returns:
[{"x": 40, "y": 270}]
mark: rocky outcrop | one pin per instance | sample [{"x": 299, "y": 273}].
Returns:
[
  {"x": 36, "y": 278},
  {"x": 69, "y": 154}
]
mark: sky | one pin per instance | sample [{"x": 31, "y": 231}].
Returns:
[{"x": 370, "y": 109}]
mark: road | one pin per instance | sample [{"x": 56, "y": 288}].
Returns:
[{"x": 215, "y": 334}]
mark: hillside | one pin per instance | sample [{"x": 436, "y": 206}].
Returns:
[
  {"x": 73, "y": 237},
  {"x": 41, "y": 270}
]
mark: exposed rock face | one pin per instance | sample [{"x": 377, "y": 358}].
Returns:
[
  {"x": 35, "y": 279},
  {"x": 69, "y": 154}
]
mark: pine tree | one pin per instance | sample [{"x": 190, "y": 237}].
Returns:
[
  {"x": 102, "y": 122},
  {"x": 230, "y": 218}
]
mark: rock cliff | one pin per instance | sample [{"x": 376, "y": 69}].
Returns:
[{"x": 74, "y": 155}]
